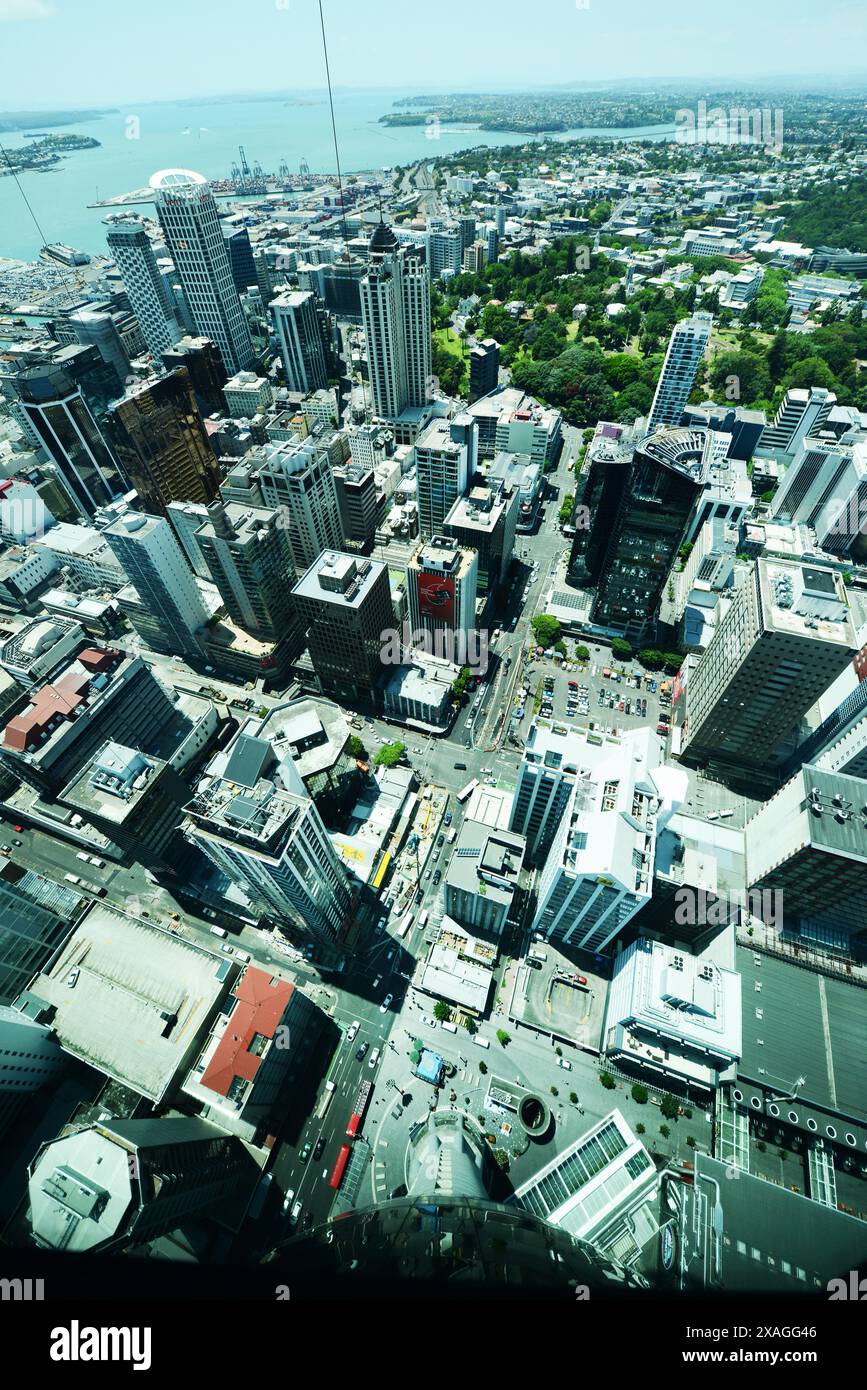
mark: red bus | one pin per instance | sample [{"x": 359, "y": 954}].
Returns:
[
  {"x": 340, "y": 1166},
  {"x": 358, "y": 1110}
]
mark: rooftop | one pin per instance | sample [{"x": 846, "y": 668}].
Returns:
[{"x": 138, "y": 1000}]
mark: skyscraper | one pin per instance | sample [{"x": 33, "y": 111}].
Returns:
[
  {"x": 122, "y": 1183},
  {"x": 194, "y": 236},
  {"x": 788, "y": 633},
  {"x": 443, "y": 469},
  {"x": 643, "y": 509},
  {"x": 344, "y": 603},
  {"x": 686, "y": 347},
  {"x": 129, "y": 244},
  {"x": 442, "y": 582},
  {"x": 250, "y": 562},
  {"x": 166, "y": 598},
  {"x": 60, "y": 418},
  {"x": 251, "y": 815},
  {"x": 484, "y": 367},
  {"x": 202, "y": 360},
  {"x": 160, "y": 440},
  {"x": 299, "y": 337},
  {"x": 395, "y": 311},
  {"x": 297, "y": 479},
  {"x": 801, "y": 412}
]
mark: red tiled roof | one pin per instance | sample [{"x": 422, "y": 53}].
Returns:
[
  {"x": 262, "y": 1001},
  {"x": 46, "y": 705}
]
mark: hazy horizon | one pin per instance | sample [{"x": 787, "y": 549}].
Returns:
[{"x": 173, "y": 57}]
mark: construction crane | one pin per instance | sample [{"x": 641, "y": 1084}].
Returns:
[{"x": 304, "y": 169}]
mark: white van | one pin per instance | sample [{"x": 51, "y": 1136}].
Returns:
[
  {"x": 450, "y": 1027},
  {"x": 98, "y": 863},
  {"x": 85, "y": 858},
  {"x": 218, "y": 931},
  {"x": 481, "y": 1042}
]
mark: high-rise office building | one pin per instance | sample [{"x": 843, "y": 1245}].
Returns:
[
  {"x": 689, "y": 338},
  {"x": 297, "y": 479},
  {"x": 240, "y": 251},
  {"x": 165, "y": 591},
  {"x": 484, "y": 368},
  {"x": 443, "y": 466},
  {"x": 36, "y": 916},
  {"x": 358, "y": 499},
  {"x": 640, "y": 505},
  {"x": 486, "y": 521},
  {"x": 250, "y": 562},
  {"x": 30, "y": 1058},
  {"x": 788, "y": 633},
  {"x": 344, "y": 603},
  {"x": 299, "y": 339},
  {"x": 194, "y": 237},
  {"x": 801, "y": 413},
  {"x": 202, "y": 360},
  {"x": 467, "y": 228},
  {"x": 130, "y": 245},
  {"x": 809, "y": 843},
  {"x": 442, "y": 583},
  {"x": 251, "y": 815},
  {"x": 119, "y": 1184},
  {"x": 60, "y": 418},
  {"x": 598, "y": 872},
  {"x": 160, "y": 440},
  {"x": 395, "y": 310}
]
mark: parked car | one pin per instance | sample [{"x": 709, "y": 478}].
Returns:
[
  {"x": 305, "y": 1152},
  {"x": 448, "y": 818},
  {"x": 383, "y": 1008},
  {"x": 289, "y": 1198},
  {"x": 374, "y": 1057},
  {"x": 353, "y": 1029},
  {"x": 562, "y": 1062},
  {"x": 361, "y": 1052}
]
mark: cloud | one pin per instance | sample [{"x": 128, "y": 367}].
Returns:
[{"x": 12, "y": 10}]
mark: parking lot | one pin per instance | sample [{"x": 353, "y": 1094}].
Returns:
[{"x": 582, "y": 694}]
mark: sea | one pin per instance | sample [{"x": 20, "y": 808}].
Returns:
[{"x": 206, "y": 136}]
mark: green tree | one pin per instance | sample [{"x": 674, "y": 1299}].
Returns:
[
  {"x": 639, "y": 1128},
  {"x": 582, "y": 653},
  {"x": 503, "y": 1038},
  {"x": 620, "y": 647},
  {"x": 607, "y": 1080},
  {"x": 390, "y": 754},
  {"x": 441, "y": 1011},
  {"x": 469, "y": 1025},
  {"x": 664, "y": 1131},
  {"x": 639, "y": 1094},
  {"x": 669, "y": 1106},
  {"x": 483, "y": 1067},
  {"x": 690, "y": 1141},
  {"x": 546, "y": 630},
  {"x": 354, "y": 747}
]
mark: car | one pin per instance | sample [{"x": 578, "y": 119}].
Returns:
[
  {"x": 419, "y": 895},
  {"x": 582, "y": 979},
  {"x": 427, "y": 875},
  {"x": 18, "y": 829},
  {"x": 377, "y": 982},
  {"x": 385, "y": 1003},
  {"x": 361, "y": 1052},
  {"x": 448, "y": 818},
  {"x": 662, "y": 729},
  {"x": 72, "y": 977},
  {"x": 306, "y": 1151},
  {"x": 6, "y": 849},
  {"x": 353, "y": 1029},
  {"x": 289, "y": 1198},
  {"x": 374, "y": 1057},
  {"x": 428, "y": 1020},
  {"x": 296, "y": 1212},
  {"x": 573, "y": 685},
  {"x": 437, "y": 876},
  {"x": 319, "y": 1147},
  {"x": 562, "y": 1062},
  {"x": 653, "y": 687},
  {"x": 308, "y": 1221},
  {"x": 441, "y": 839},
  {"x": 227, "y": 950}
]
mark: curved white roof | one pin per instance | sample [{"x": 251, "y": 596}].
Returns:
[{"x": 168, "y": 180}]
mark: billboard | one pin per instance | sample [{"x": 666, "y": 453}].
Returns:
[{"x": 436, "y": 596}]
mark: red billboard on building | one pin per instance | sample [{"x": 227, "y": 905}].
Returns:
[{"x": 436, "y": 596}]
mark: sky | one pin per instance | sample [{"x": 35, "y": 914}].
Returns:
[{"x": 76, "y": 53}]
